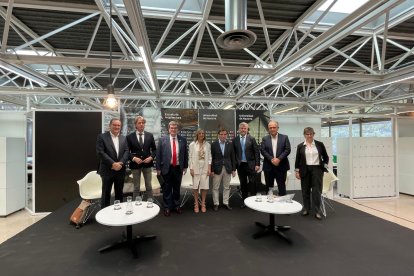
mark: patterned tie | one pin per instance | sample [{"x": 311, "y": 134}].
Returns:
[
  {"x": 243, "y": 148},
  {"x": 140, "y": 139},
  {"x": 174, "y": 154}
]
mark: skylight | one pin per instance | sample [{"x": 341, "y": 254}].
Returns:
[{"x": 343, "y": 6}]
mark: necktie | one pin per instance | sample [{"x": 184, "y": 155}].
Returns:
[
  {"x": 174, "y": 154},
  {"x": 140, "y": 139},
  {"x": 243, "y": 148}
]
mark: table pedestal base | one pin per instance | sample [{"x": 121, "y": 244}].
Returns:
[
  {"x": 272, "y": 229},
  {"x": 129, "y": 242}
]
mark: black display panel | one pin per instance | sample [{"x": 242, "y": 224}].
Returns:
[{"x": 64, "y": 152}]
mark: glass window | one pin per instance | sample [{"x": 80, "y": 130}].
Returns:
[{"x": 377, "y": 129}]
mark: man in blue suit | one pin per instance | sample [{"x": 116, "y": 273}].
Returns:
[
  {"x": 112, "y": 151},
  {"x": 172, "y": 163},
  {"x": 275, "y": 149},
  {"x": 248, "y": 160}
]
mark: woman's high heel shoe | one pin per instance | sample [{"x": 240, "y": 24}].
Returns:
[
  {"x": 203, "y": 207},
  {"x": 196, "y": 209}
]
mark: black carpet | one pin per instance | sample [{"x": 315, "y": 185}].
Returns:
[{"x": 348, "y": 242}]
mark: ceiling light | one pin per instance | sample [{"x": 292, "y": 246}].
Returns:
[{"x": 110, "y": 101}]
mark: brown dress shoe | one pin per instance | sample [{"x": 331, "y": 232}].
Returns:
[
  {"x": 178, "y": 210},
  {"x": 167, "y": 212},
  {"x": 215, "y": 208}
]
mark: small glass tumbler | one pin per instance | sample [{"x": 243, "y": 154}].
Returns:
[
  {"x": 138, "y": 200},
  {"x": 150, "y": 202},
  {"x": 129, "y": 207},
  {"x": 117, "y": 204},
  {"x": 259, "y": 197},
  {"x": 270, "y": 197}
]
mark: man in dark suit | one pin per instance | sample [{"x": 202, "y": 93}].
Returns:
[
  {"x": 142, "y": 152},
  {"x": 248, "y": 160},
  {"x": 275, "y": 149},
  {"x": 172, "y": 163},
  {"x": 112, "y": 151},
  {"x": 224, "y": 167}
]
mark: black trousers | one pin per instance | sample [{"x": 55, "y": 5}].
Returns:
[
  {"x": 171, "y": 188},
  {"x": 117, "y": 179},
  {"x": 280, "y": 177},
  {"x": 247, "y": 179},
  {"x": 311, "y": 183}
]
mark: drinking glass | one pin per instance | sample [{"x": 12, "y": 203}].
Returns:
[
  {"x": 138, "y": 200},
  {"x": 259, "y": 197},
  {"x": 150, "y": 202},
  {"x": 129, "y": 207},
  {"x": 117, "y": 204}
]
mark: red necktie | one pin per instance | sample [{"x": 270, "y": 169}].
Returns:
[{"x": 174, "y": 154}]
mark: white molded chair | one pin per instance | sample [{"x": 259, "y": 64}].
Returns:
[
  {"x": 155, "y": 184},
  {"x": 235, "y": 186},
  {"x": 90, "y": 189},
  {"x": 263, "y": 180},
  {"x": 187, "y": 185},
  {"x": 328, "y": 179}
]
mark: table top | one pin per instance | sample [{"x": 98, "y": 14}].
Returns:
[
  {"x": 110, "y": 217},
  {"x": 277, "y": 208}
]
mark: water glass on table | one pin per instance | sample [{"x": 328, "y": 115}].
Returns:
[
  {"x": 117, "y": 204},
  {"x": 129, "y": 207},
  {"x": 150, "y": 202},
  {"x": 138, "y": 200}
]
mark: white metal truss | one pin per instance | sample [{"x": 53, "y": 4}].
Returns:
[{"x": 179, "y": 74}]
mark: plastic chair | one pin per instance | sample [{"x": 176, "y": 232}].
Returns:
[
  {"x": 235, "y": 186},
  {"x": 187, "y": 185},
  {"x": 90, "y": 189},
  {"x": 328, "y": 179}
]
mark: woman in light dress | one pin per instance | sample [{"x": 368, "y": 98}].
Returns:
[{"x": 199, "y": 163}]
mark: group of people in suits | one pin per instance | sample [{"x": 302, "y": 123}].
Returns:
[{"x": 220, "y": 160}]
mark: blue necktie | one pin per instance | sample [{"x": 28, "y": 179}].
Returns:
[{"x": 243, "y": 148}]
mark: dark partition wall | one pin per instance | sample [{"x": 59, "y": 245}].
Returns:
[{"x": 64, "y": 152}]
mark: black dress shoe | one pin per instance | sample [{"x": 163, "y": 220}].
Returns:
[
  {"x": 215, "y": 208},
  {"x": 318, "y": 216},
  {"x": 167, "y": 212},
  {"x": 227, "y": 207},
  {"x": 305, "y": 213},
  {"x": 178, "y": 210},
  {"x": 243, "y": 206}
]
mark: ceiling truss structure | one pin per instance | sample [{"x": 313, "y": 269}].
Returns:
[{"x": 55, "y": 55}]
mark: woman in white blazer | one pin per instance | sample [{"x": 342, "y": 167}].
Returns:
[{"x": 199, "y": 163}]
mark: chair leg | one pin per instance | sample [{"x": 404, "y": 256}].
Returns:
[{"x": 323, "y": 209}]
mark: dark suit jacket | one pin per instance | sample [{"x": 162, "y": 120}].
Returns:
[
  {"x": 282, "y": 152},
  {"x": 135, "y": 149},
  {"x": 251, "y": 150},
  {"x": 300, "y": 162},
  {"x": 164, "y": 154},
  {"x": 218, "y": 160},
  {"x": 105, "y": 150}
]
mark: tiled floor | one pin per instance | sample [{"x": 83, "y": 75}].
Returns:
[{"x": 398, "y": 210}]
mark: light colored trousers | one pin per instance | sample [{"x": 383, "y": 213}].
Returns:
[
  {"x": 136, "y": 179},
  {"x": 217, "y": 178}
]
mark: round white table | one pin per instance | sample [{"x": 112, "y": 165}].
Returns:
[
  {"x": 272, "y": 208},
  {"x": 110, "y": 217}
]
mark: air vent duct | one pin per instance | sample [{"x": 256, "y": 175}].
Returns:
[{"x": 236, "y": 36}]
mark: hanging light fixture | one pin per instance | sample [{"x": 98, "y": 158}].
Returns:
[{"x": 110, "y": 102}]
